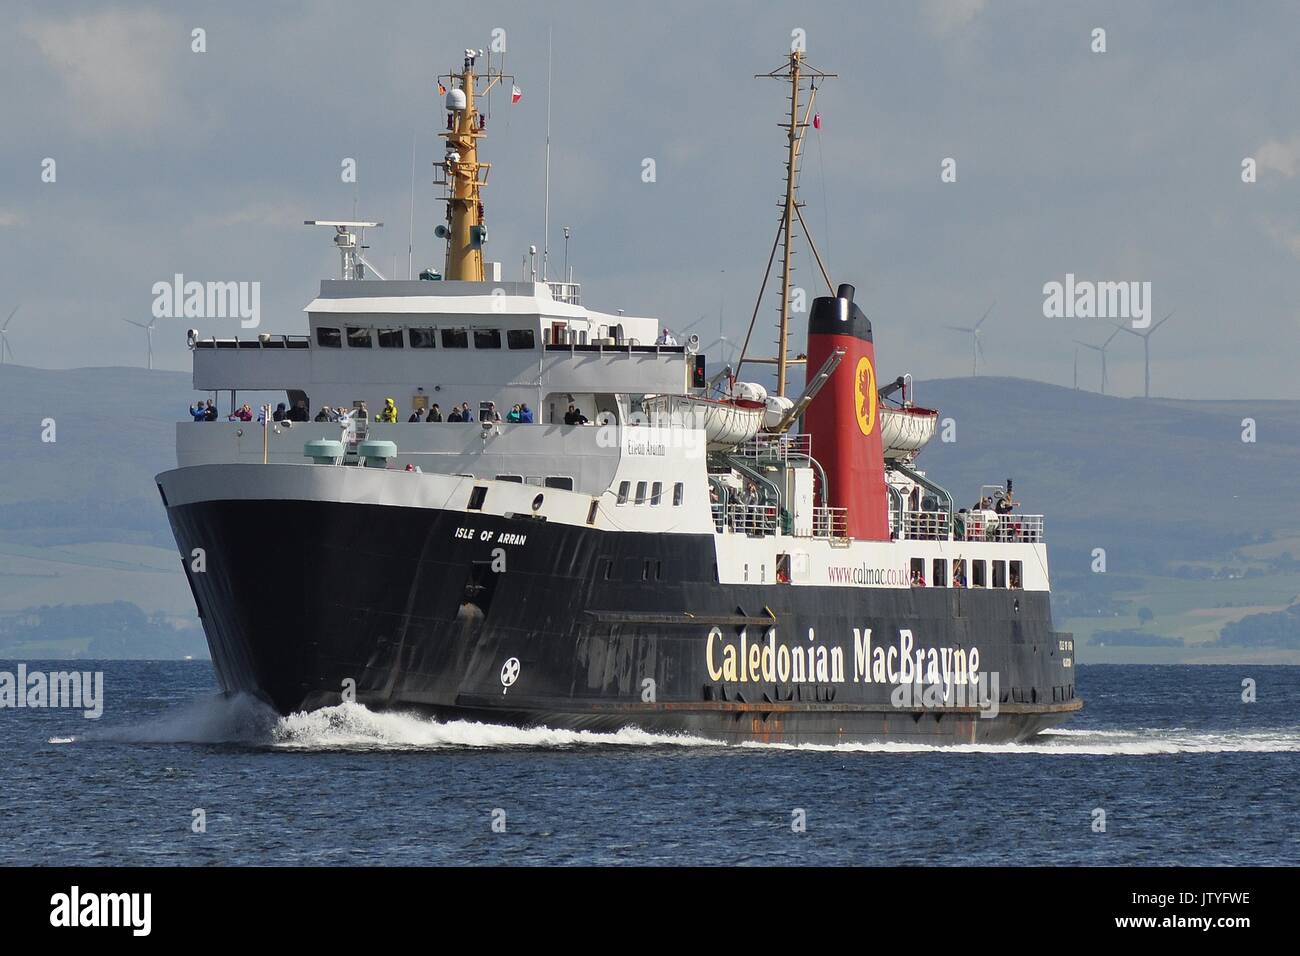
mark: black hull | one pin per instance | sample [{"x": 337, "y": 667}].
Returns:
[{"x": 302, "y": 600}]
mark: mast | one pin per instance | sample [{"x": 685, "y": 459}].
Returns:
[
  {"x": 796, "y": 71},
  {"x": 462, "y": 173},
  {"x": 787, "y": 226}
]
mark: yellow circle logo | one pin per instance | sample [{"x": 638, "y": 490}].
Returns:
[{"x": 864, "y": 388}]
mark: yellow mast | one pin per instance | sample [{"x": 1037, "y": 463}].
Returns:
[{"x": 465, "y": 176}]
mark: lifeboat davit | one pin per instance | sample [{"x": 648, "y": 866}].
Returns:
[{"x": 905, "y": 431}]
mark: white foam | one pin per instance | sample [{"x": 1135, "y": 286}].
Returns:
[{"x": 241, "y": 719}]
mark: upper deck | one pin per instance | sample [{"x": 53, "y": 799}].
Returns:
[{"x": 467, "y": 341}]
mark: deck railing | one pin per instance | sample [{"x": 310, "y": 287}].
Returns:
[
  {"x": 746, "y": 519},
  {"x": 830, "y": 522},
  {"x": 775, "y": 447},
  {"x": 985, "y": 526}
]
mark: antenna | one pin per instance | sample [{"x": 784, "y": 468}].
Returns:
[
  {"x": 546, "y": 214},
  {"x": 410, "y": 234},
  {"x": 352, "y": 261},
  {"x": 795, "y": 71}
]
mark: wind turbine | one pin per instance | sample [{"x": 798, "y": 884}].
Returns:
[
  {"x": 977, "y": 347},
  {"x": 1102, "y": 349},
  {"x": 148, "y": 331},
  {"x": 4, "y": 337},
  {"x": 1145, "y": 336}
]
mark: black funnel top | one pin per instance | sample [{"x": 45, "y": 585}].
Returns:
[{"x": 839, "y": 316}]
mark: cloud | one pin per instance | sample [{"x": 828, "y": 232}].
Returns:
[
  {"x": 1285, "y": 234},
  {"x": 115, "y": 66},
  {"x": 1280, "y": 157},
  {"x": 944, "y": 16}
]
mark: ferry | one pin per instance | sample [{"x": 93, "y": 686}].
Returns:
[{"x": 615, "y": 537}]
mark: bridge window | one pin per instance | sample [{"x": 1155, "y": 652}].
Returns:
[
  {"x": 518, "y": 479},
  {"x": 358, "y": 338},
  {"x": 679, "y": 491},
  {"x": 656, "y": 492},
  {"x": 329, "y": 338},
  {"x": 623, "y": 487},
  {"x": 476, "y": 498},
  {"x": 563, "y": 482},
  {"x": 455, "y": 338},
  {"x": 521, "y": 338},
  {"x": 423, "y": 338},
  {"x": 487, "y": 338},
  {"x": 640, "y": 492},
  {"x": 390, "y": 338}
]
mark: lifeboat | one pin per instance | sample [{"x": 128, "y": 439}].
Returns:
[
  {"x": 905, "y": 431},
  {"x": 727, "y": 422}
]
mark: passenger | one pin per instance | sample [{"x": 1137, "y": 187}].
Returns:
[
  {"x": 465, "y": 414},
  {"x": 525, "y": 413},
  {"x": 574, "y": 417},
  {"x": 455, "y": 415},
  {"x": 959, "y": 573},
  {"x": 388, "y": 414},
  {"x": 435, "y": 413},
  {"x": 959, "y": 525},
  {"x": 243, "y": 414},
  {"x": 361, "y": 413},
  {"x": 513, "y": 414},
  {"x": 299, "y": 412},
  {"x": 491, "y": 415},
  {"x": 279, "y": 414},
  {"x": 324, "y": 414},
  {"x": 415, "y": 417},
  {"x": 198, "y": 411},
  {"x": 210, "y": 411}
]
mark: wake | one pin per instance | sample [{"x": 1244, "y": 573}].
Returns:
[{"x": 244, "y": 720}]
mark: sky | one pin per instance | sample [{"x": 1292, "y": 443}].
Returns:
[{"x": 1122, "y": 165}]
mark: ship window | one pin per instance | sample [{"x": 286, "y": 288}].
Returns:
[
  {"x": 476, "y": 498},
  {"x": 959, "y": 573},
  {"x": 939, "y": 573},
  {"x": 390, "y": 338},
  {"x": 656, "y": 492},
  {"x": 520, "y": 338},
  {"x": 424, "y": 338},
  {"x": 591, "y": 512},
  {"x": 623, "y": 487},
  {"x": 518, "y": 479},
  {"x": 979, "y": 575},
  {"x": 918, "y": 572},
  {"x": 659, "y": 570},
  {"x": 609, "y": 568},
  {"x": 640, "y": 492},
  {"x": 563, "y": 482},
  {"x": 358, "y": 338},
  {"x": 645, "y": 570},
  {"x": 329, "y": 338},
  {"x": 679, "y": 490},
  {"x": 999, "y": 574},
  {"x": 1017, "y": 576},
  {"x": 455, "y": 338},
  {"x": 487, "y": 338}
]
